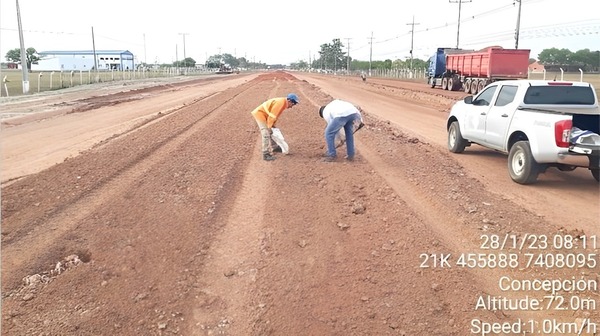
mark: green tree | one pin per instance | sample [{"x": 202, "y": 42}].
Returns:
[
  {"x": 554, "y": 56},
  {"x": 585, "y": 58},
  {"x": 215, "y": 61},
  {"x": 187, "y": 62},
  {"x": 14, "y": 55},
  {"x": 299, "y": 65},
  {"x": 331, "y": 56}
]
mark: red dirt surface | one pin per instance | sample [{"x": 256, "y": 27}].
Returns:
[{"x": 151, "y": 212}]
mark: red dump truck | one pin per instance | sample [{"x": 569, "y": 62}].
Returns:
[{"x": 472, "y": 71}]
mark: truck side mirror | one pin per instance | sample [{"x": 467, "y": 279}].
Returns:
[{"x": 468, "y": 100}]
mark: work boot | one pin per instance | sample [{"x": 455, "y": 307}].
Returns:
[{"x": 268, "y": 157}]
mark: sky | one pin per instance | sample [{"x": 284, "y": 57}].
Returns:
[{"x": 283, "y": 32}]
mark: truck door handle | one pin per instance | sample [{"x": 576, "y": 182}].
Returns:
[{"x": 504, "y": 115}]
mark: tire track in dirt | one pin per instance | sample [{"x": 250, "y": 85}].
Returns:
[
  {"x": 228, "y": 304},
  {"x": 457, "y": 219},
  {"x": 308, "y": 274},
  {"x": 224, "y": 305},
  {"x": 67, "y": 217},
  {"x": 161, "y": 228},
  {"x": 432, "y": 213},
  {"x": 49, "y": 141},
  {"x": 335, "y": 251}
]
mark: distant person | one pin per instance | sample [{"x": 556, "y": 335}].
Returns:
[
  {"x": 266, "y": 115},
  {"x": 340, "y": 114},
  {"x": 363, "y": 76}
]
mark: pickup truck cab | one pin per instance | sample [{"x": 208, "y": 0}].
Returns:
[{"x": 539, "y": 124}]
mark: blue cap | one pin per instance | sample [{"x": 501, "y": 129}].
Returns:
[{"x": 293, "y": 98}]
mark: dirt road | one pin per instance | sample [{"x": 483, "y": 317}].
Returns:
[{"x": 151, "y": 212}]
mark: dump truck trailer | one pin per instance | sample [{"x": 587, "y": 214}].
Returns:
[{"x": 472, "y": 71}]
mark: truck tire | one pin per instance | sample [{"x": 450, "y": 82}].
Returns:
[
  {"x": 451, "y": 84},
  {"x": 474, "y": 86},
  {"x": 596, "y": 174},
  {"x": 445, "y": 83},
  {"x": 456, "y": 143},
  {"x": 457, "y": 85},
  {"x": 480, "y": 85},
  {"x": 467, "y": 86},
  {"x": 522, "y": 167}
]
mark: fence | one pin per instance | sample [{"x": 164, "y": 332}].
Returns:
[
  {"x": 54, "y": 80},
  {"x": 421, "y": 74}
]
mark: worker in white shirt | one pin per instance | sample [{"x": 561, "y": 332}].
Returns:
[{"x": 340, "y": 114}]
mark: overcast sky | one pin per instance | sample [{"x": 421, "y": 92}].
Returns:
[{"x": 283, "y": 32}]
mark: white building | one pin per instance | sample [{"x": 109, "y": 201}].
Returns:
[{"x": 83, "y": 60}]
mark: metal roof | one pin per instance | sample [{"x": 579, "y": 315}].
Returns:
[{"x": 85, "y": 52}]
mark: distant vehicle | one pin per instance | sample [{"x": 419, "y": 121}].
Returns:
[
  {"x": 539, "y": 124},
  {"x": 225, "y": 69},
  {"x": 471, "y": 71}
]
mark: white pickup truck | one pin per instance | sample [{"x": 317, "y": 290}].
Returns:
[{"x": 539, "y": 124}]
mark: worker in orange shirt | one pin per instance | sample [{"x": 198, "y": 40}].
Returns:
[{"x": 266, "y": 116}]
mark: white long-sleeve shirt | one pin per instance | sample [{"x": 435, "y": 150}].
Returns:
[{"x": 339, "y": 108}]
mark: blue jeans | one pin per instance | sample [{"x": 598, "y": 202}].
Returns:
[{"x": 333, "y": 127}]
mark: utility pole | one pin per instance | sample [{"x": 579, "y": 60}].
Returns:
[
  {"x": 518, "y": 25},
  {"x": 145, "y": 61},
  {"x": 23, "y": 53},
  {"x": 348, "y": 65},
  {"x": 412, "y": 39},
  {"x": 371, "y": 54},
  {"x": 185, "y": 65},
  {"x": 94, "y": 51},
  {"x": 459, "y": 2}
]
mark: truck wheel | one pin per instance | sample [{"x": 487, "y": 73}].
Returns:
[
  {"x": 445, "y": 83},
  {"x": 480, "y": 85},
  {"x": 522, "y": 167},
  {"x": 596, "y": 174},
  {"x": 474, "y": 87},
  {"x": 456, "y": 143},
  {"x": 467, "y": 86},
  {"x": 456, "y": 84}
]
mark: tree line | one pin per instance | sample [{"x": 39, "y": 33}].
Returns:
[{"x": 332, "y": 56}]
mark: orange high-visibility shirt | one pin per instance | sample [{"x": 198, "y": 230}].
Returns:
[{"x": 270, "y": 110}]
